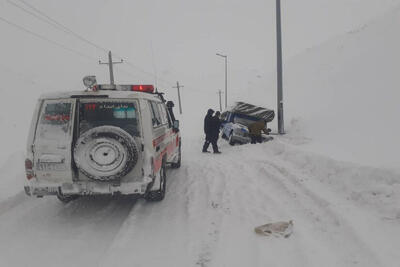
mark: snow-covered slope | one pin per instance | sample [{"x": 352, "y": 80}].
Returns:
[{"x": 344, "y": 94}]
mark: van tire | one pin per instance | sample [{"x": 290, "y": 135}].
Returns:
[
  {"x": 159, "y": 194},
  {"x": 66, "y": 198},
  {"x": 105, "y": 153},
  {"x": 177, "y": 164}
]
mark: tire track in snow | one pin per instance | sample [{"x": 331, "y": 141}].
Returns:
[
  {"x": 12, "y": 202},
  {"x": 183, "y": 229},
  {"x": 71, "y": 235},
  {"x": 213, "y": 209},
  {"x": 363, "y": 223},
  {"x": 156, "y": 233},
  {"x": 321, "y": 216},
  {"x": 203, "y": 193},
  {"x": 251, "y": 205}
]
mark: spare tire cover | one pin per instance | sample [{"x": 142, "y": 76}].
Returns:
[{"x": 105, "y": 153}]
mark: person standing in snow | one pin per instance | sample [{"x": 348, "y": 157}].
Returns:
[
  {"x": 255, "y": 130},
  {"x": 208, "y": 124},
  {"x": 215, "y": 127}
]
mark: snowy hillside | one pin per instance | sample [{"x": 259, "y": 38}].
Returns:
[{"x": 344, "y": 94}]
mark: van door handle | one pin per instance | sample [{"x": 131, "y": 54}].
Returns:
[{"x": 158, "y": 148}]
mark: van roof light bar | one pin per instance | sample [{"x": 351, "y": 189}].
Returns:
[{"x": 146, "y": 88}]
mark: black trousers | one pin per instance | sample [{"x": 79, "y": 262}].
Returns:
[
  {"x": 255, "y": 139},
  {"x": 213, "y": 142}
]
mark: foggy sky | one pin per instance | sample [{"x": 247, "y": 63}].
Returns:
[{"x": 175, "y": 39}]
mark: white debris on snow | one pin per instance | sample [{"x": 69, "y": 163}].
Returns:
[{"x": 276, "y": 229}]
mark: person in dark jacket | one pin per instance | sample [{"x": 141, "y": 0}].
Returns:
[
  {"x": 215, "y": 127},
  {"x": 208, "y": 130}
]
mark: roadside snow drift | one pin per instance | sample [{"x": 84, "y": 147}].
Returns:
[{"x": 344, "y": 94}]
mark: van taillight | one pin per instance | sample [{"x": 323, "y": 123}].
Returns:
[{"x": 28, "y": 169}]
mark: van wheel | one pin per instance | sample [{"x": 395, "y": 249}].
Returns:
[
  {"x": 159, "y": 194},
  {"x": 66, "y": 198},
  {"x": 178, "y": 163}
]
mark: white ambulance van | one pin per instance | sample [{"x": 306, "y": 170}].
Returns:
[{"x": 112, "y": 139}]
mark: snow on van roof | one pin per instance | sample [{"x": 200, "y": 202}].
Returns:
[
  {"x": 105, "y": 93},
  {"x": 253, "y": 111}
]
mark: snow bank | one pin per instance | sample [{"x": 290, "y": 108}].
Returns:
[
  {"x": 344, "y": 94},
  {"x": 373, "y": 187}
]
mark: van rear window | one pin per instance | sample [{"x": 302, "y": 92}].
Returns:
[
  {"x": 55, "y": 120},
  {"x": 56, "y": 113},
  {"x": 119, "y": 114}
]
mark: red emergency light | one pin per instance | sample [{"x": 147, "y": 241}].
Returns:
[{"x": 147, "y": 88}]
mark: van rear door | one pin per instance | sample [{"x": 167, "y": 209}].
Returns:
[{"x": 53, "y": 141}]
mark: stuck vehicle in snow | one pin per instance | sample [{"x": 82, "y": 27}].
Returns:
[
  {"x": 236, "y": 120},
  {"x": 117, "y": 139}
]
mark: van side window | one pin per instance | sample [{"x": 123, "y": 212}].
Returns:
[
  {"x": 163, "y": 113},
  {"x": 155, "y": 114}
]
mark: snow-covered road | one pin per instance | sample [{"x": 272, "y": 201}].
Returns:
[{"x": 344, "y": 215}]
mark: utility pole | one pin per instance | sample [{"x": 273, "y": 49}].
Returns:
[
  {"x": 281, "y": 128},
  {"x": 226, "y": 78},
  {"x": 179, "y": 96},
  {"x": 110, "y": 64},
  {"x": 220, "y": 102}
]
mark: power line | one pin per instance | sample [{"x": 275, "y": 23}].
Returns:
[
  {"x": 47, "y": 19},
  {"x": 64, "y": 28},
  {"x": 46, "y": 39},
  {"x": 32, "y": 14},
  {"x": 146, "y": 72},
  {"x": 54, "y": 23}
]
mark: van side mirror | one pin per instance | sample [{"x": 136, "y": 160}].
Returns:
[{"x": 175, "y": 126}]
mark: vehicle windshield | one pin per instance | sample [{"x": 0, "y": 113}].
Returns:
[{"x": 121, "y": 114}]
